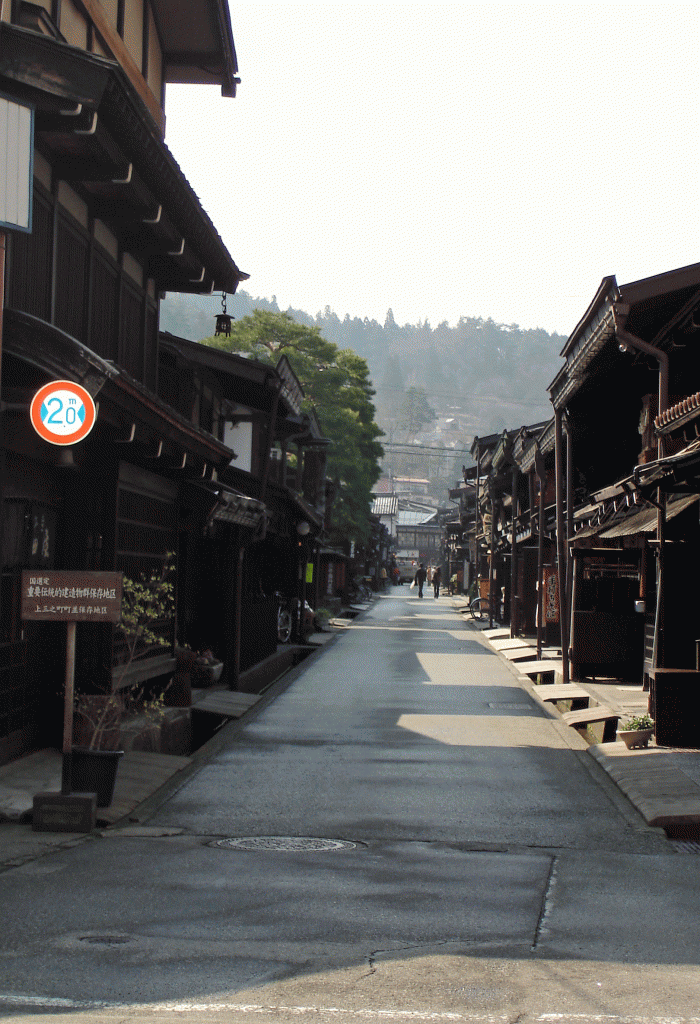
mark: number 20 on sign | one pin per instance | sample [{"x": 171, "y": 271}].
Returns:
[{"x": 62, "y": 412}]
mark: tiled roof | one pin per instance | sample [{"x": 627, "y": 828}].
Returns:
[{"x": 407, "y": 517}]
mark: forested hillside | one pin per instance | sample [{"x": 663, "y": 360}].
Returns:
[{"x": 486, "y": 376}]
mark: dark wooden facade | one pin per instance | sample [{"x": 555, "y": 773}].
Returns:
[
  {"x": 612, "y": 488},
  {"x": 115, "y": 224}
]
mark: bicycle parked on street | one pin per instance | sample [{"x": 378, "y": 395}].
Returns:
[
  {"x": 284, "y": 618},
  {"x": 480, "y": 606},
  {"x": 360, "y": 589}
]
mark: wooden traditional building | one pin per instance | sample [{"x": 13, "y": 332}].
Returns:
[
  {"x": 623, "y": 546},
  {"x": 114, "y": 225},
  {"x": 507, "y": 523},
  {"x": 263, "y": 513}
]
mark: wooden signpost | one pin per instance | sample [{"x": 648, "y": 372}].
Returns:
[{"x": 50, "y": 595}]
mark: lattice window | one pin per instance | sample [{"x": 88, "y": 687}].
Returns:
[
  {"x": 103, "y": 320},
  {"x": 131, "y": 357},
  {"x": 71, "y": 280},
  {"x": 30, "y": 267}
]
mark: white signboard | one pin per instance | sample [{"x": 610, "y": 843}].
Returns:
[{"x": 16, "y": 164}]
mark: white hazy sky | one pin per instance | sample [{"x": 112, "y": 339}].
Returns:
[{"x": 448, "y": 160}]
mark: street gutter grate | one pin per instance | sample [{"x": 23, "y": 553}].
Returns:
[
  {"x": 284, "y": 844},
  {"x": 685, "y": 845}
]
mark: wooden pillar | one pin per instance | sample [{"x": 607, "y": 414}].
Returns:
[
  {"x": 561, "y": 542},
  {"x": 514, "y": 555},
  {"x": 540, "y": 556},
  {"x": 492, "y": 545},
  {"x": 569, "y": 528},
  {"x": 235, "y": 601}
]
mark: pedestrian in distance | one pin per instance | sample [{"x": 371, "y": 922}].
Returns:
[
  {"x": 436, "y": 580},
  {"x": 420, "y": 578}
]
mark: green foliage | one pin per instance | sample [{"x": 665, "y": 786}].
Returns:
[
  {"x": 145, "y": 603},
  {"x": 337, "y": 385},
  {"x": 639, "y": 722},
  {"x": 415, "y": 411},
  {"x": 489, "y": 370}
]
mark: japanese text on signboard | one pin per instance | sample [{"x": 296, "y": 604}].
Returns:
[{"x": 65, "y": 596}]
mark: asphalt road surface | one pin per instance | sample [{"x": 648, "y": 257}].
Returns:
[{"x": 400, "y": 834}]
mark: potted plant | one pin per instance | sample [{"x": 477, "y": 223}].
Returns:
[
  {"x": 322, "y": 618},
  {"x": 207, "y": 669},
  {"x": 636, "y": 732},
  {"x": 97, "y": 727},
  {"x": 95, "y": 753}
]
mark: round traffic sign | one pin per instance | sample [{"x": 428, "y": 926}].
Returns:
[{"x": 62, "y": 412}]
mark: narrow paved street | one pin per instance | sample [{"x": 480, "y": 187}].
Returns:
[{"x": 481, "y": 866}]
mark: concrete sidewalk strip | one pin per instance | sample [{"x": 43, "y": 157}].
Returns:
[
  {"x": 663, "y": 793},
  {"x": 140, "y": 774}
]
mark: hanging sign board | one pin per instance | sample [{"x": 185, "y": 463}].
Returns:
[
  {"x": 52, "y": 595},
  {"x": 62, "y": 412},
  {"x": 16, "y": 170},
  {"x": 551, "y": 594}
]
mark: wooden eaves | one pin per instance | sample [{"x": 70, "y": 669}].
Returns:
[
  {"x": 99, "y": 136},
  {"x": 139, "y": 416}
]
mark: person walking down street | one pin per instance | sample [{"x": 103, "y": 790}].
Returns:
[
  {"x": 420, "y": 578},
  {"x": 436, "y": 580}
]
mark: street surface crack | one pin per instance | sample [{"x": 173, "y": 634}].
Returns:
[
  {"x": 372, "y": 957},
  {"x": 546, "y": 906}
]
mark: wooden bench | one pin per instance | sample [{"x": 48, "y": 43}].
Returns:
[
  {"x": 592, "y": 715},
  {"x": 579, "y": 698}
]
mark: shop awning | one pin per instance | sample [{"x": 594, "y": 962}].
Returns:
[{"x": 644, "y": 520}]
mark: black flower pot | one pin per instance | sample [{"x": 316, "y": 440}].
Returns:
[{"x": 95, "y": 771}]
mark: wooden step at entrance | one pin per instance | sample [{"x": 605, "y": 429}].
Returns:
[
  {"x": 539, "y": 668},
  {"x": 511, "y": 645},
  {"x": 231, "y": 703},
  {"x": 582, "y": 719},
  {"x": 552, "y": 693}
]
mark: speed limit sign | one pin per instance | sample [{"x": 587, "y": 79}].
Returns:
[{"x": 62, "y": 412}]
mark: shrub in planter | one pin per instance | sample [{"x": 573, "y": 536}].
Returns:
[
  {"x": 636, "y": 732},
  {"x": 98, "y": 716}
]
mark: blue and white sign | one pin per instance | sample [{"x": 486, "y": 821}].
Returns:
[{"x": 62, "y": 412}]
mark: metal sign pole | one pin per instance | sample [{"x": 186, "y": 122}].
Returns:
[{"x": 66, "y": 784}]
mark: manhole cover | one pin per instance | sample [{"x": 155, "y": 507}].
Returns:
[
  {"x": 105, "y": 940},
  {"x": 284, "y": 844}
]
